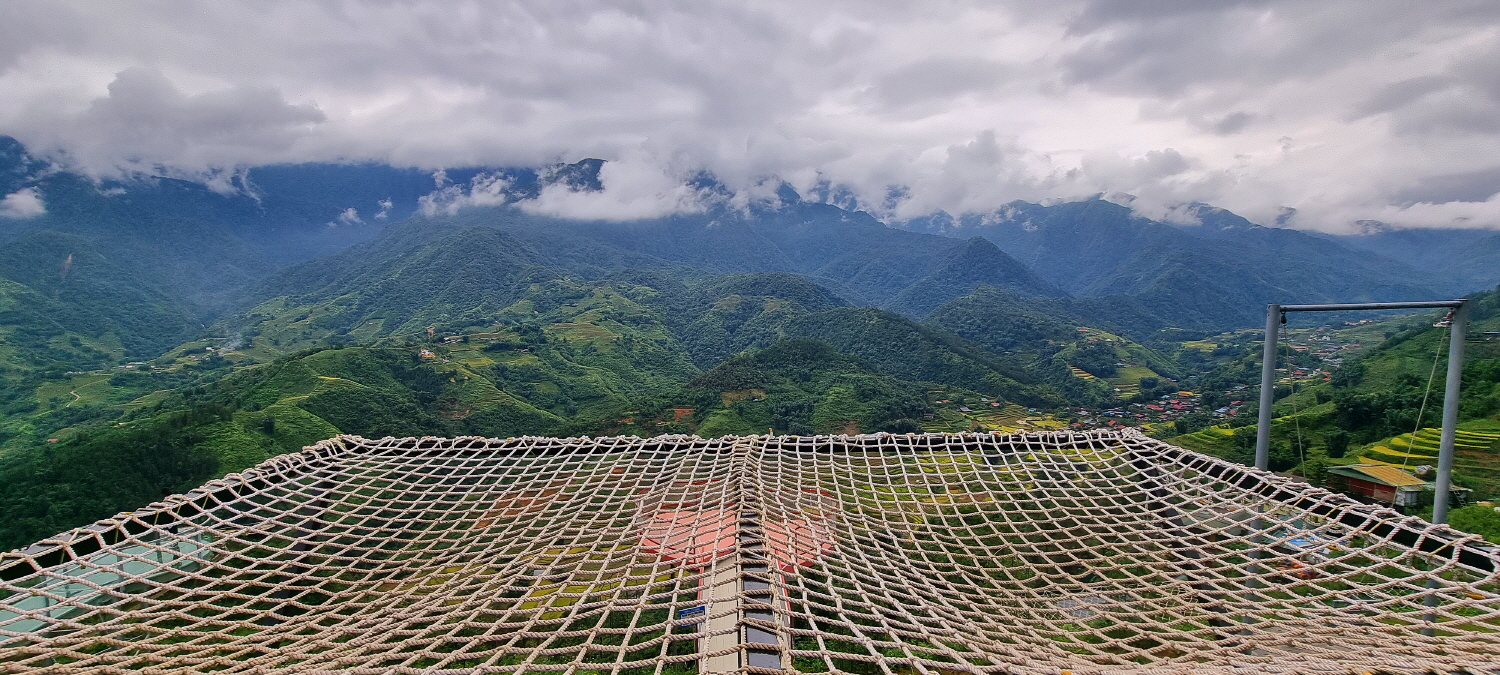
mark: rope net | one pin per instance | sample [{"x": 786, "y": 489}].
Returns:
[{"x": 1049, "y": 553}]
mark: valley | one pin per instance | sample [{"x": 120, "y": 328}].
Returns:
[{"x": 125, "y": 376}]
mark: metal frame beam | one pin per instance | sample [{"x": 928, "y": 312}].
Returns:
[{"x": 1276, "y": 315}]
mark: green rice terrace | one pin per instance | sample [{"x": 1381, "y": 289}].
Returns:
[
  {"x": 1474, "y": 449},
  {"x": 884, "y": 553}
]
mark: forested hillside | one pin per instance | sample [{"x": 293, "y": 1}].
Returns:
[
  {"x": 1383, "y": 406},
  {"x": 1206, "y": 276},
  {"x": 158, "y": 332}
]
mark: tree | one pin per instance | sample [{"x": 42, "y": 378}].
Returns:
[
  {"x": 1315, "y": 470},
  {"x": 1096, "y": 358},
  {"x": 1243, "y": 450},
  {"x": 905, "y": 425},
  {"x": 1283, "y": 456},
  {"x": 1191, "y": 422},
  {"x": 1336, "y": 442}
]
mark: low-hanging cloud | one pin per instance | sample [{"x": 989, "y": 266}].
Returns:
[
  {"x": 632, "y": 190},
  {"x": 626, "y": 190},
  {"x": 1333, "y": 112},
  {"x": 23, "y": 203},
  {"x": 145, "y": 123}
]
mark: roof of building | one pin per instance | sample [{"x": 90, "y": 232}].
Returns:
[
  {"x": 1379, "y": 473},
  {"x": 993, "y": 554}
]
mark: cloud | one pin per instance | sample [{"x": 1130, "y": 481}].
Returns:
[
  {"x": 485, "y": 189},
  {"x": 1398, "y": 95},
  {"x": 145, "y": 123},
  {"x": 1458, "y": 214},
  {"x": 349, "y": 216},
  {"x": 23, "y": 203},
  {"x": 625, "y": 190},
  {"x": 1469, "y": 186},
  {"x": 1336, "y": 109},
  {"x": 632, "y": 190},
  {"x": 1232, "y": 123}
]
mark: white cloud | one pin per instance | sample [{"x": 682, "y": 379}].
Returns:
[
  {"x": 1458, "y": 214},
  {"x": 144, "y": 122},
  {"x": 485, "y": 189},
  {"x": 632, "y": 190},
  {"x": 1340, "y": 109},
  {"x": 23, "y": 203},
  {"x": 385, "y": 209}
]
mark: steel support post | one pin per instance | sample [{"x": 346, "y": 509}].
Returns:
[
  {"x": 1442, "y": 489},
  {"x": 1459, "y": 327},
  {"x": 1267, "y": 386}
]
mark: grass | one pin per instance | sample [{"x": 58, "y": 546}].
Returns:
[
  {"x": 1127, "y": 379},
  {"x": 1215, "y": 440}
]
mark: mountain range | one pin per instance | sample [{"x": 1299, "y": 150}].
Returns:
[
  {"x": 227, "y": 320},
  {"x": 180, "y": 255}
]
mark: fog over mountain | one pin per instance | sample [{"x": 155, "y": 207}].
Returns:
[{"x": 1309, "y": 115}]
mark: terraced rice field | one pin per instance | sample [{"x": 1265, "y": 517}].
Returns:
[
  {"x": 1215, "y": 440},
  {"x": 1007, "y": 419},
  {"x": 1128, "y": 379},
  {"x": 1422, "y": 448},
  {"x": 1476, "y": 454}
]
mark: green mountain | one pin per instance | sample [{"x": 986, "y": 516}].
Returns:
[
  {"x": 1005, "y": 322},
  {"x": 80, "y": 289},
  {"x": 155, "y": 332},
  {"x": 723, "y": 316},
  {"x": 1374, "y": 400},
  {"x": 1379, "y": 396},
  {"x": 1465, "y": 259},
  {"x": 805, "y": 387},
  {"x": 1212, "y": 276},
  {"x": 972, "y": 264},
  {"x": 453, "y": 278},
  {"x": 903, "y": 348}
]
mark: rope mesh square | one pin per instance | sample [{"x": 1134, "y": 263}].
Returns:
[{"x": 1046, "y": 553}]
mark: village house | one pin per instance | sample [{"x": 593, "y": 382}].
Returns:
[{"x": 1386, "y": 485}]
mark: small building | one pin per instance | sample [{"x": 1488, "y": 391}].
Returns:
[
  {"x": 1381, "y": 483},
  {"x": 1386, "y": 484}
]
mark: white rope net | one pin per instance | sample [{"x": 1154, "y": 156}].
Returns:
[{"x": 1050, "y": 553}]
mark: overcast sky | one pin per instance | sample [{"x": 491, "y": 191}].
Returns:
[{"x": 1340, "y": 109}]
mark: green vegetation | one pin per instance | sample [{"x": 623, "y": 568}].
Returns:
[
  {"x": 1481, "y": 520},
  {"x": 1368, "y": 409},
  {"x": 804, "y": 387},
  {"x": 200, "y": 333},
  {"x": 548, "y": 355}
]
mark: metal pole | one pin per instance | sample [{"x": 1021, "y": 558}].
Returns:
[
  {"x": 1444, "y": 486},
  {"x": 1267, "y": 387},
  {"x": 1442, "y": 491},
  {"x": 1348, "y": 306}
]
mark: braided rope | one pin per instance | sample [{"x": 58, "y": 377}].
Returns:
[{"x": 1037, "y": 553}]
